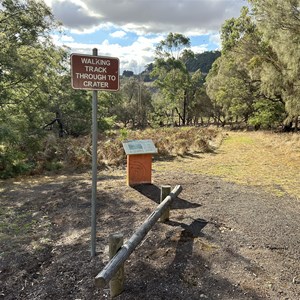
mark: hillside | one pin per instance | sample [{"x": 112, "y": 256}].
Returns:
[{"x": 202, "y": 61}]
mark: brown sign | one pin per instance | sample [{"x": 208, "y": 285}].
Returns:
[{"x": 94, "y": 72}]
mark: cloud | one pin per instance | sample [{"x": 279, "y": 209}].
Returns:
[
  {"x": 74, "y": 15},
  {"x": 135, "y": 56},
  {"x": 118, "y": 34},
  {"x": 132, "y": 57},
  {"x": 139, "y": 25},
  {"x": 200, "y": 49},
  {"x": 142, "y": 16},
  {"x": 215, "y": 39},
  {"x": 62, "y": 39}
]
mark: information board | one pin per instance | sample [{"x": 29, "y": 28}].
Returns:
[{"x": 139, "y": 147}]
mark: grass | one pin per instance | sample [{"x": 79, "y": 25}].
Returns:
[
  {"x": 268, "y": 160},
  {"x": 265, "y": 159},
  {"x": 76, "y": 152},
  {"x": 15, "y": 225}
]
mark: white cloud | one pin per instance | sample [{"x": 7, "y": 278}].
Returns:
[
  {"x": 67, "y": 38},
  {"x": 62, "y": 39},
  {"x": 215, "y": 39},
  {"x": 200, "y": 49},
  {"x": 133, "y": 57},
  {"x": 118, "y": 34}
]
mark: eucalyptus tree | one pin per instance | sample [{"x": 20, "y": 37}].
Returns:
[
  {"x": 31, "y": 70},
  {"x": 172, "y": 76},
  {"x": 201, "y": 108},
  {"x": 266, "y": 43},
  {"x": 279, "y": 23},
  {"x": 229, "y": 83},
  {"x": 132, "y": 104},
  {"x": 194, "y": 98},
  {"x": 247, "y": 81},
  {"x": 228, "y": 89}
]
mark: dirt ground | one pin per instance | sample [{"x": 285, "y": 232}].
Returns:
[{"x": 223, "y": 241}]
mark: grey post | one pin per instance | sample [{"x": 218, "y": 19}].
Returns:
[{"x": 94, "y": 167}]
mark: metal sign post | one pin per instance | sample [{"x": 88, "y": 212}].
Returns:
[
  {"x": 93, "y": 72},
  {"x": 94, "y": 167}
]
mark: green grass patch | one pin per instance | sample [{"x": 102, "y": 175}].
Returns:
[
  {"x": 15, "y": 223},
  {"x": 238, "y": 140}
]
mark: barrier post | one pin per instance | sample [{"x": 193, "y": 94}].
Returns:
[
  {"x": 115, "y": 263},
  {"x": 164, "y": 192},
  {"x": 116, "y": 284}
]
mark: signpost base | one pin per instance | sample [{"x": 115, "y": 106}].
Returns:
[{"x": 139, "y": 168}]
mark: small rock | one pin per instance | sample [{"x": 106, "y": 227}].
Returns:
[{"x": 296, "y": 280}]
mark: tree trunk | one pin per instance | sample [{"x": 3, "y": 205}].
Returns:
[
  {"x": 288, "y": 127},
  {"x": 180, "y": 117},
  {"x": 185, "y": 100},
  {"x": 296, "y": 123}
]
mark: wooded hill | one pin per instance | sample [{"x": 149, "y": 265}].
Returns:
[{"x": 200, "y": 61}]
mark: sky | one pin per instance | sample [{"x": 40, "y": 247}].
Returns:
[{"x": 130, "y": 29}]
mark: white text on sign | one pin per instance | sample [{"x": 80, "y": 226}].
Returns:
[{"x": 95, "y": 73}]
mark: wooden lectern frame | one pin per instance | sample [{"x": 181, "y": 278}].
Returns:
[{"x": 139, "y": 161}]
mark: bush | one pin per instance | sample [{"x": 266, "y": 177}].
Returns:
[
  {"x": 13, "y": 163},
  {"x": 54, "y": 153}
]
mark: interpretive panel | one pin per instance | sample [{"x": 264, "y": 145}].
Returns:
[{"x": 139, "y": 147}]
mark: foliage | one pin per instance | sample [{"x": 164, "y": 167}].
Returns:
[
  {"x": 31, "y": 70},
  {"x": 132, "y": 104},
  {"x": 202, "y": 61},
  {"x": 266, "y": 114},
  {"x": 35, "y": 91},
  {"x": 257, "y": 76},
  {"x": 228, "y": 89},
  {"x": 177, "y": 85},
  {"x": 198, "y": 61},
  {"x": 279, "y": 23}
]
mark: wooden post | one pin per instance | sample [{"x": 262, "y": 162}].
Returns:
[
  {"x": 164, "y": 192},
  {"x": 116, "y": 284},
  {"x": 114, "y": 264}
]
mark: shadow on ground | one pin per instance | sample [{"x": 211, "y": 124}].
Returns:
[{"x": 152, "y": 192}]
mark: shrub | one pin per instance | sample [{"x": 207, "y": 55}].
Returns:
[{"x": 54, "y": 153}]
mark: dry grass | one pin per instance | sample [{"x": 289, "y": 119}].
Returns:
[
  {"x": 264, "y": 159},
  {"x": 181, "y": 141},
  {"x": 76, "y": 153}
]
